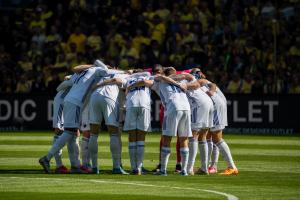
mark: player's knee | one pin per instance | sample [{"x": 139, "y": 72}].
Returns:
[
  {"x": 86, "y": 134},
  {"x": 113, "y": 130},
  {"x": 202, "y": 134},
  {"x": 140, "y": 136},
  {"x": 94, "y": 128},
  {"x": 166, "y": 141},
  {"x": 217, "y": 136},
  {"x": 72, "y": 130},
  {"x": 183, "y": 141}
]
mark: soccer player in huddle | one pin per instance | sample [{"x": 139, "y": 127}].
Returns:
[
  {"x": 176, "y": 119},
  {"x": 201, "y": 120},
  {"x": 73, "y": 105},
  {"x": 58, "y": 121},
  {"x": 104, "y": 105},
  {"x": 158, "y": 69},
  {"x": 137, "y": 118},
  {"x": 219, "y": 122}
]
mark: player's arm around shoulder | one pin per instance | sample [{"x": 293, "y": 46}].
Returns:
[
  {"x": 68, "y": 82},
  {"x": 162, "y": 78},
  {"x": 80, "y": 68},
  {"x": 112, "y": 81},
  {"x": 140, "y": 83},
  {"x": 212, "y": 86},
  {"x": 183, "y": 76}
]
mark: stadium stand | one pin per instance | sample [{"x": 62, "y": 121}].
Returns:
[{"x": 232, "y": 41}]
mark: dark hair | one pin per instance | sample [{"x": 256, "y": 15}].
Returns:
[
  {"x": 168, "y": 71},
  {"x": 157, "y": 68},
  {"x": 137, "y": 71}
]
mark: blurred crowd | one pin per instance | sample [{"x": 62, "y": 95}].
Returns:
[{"x": 245, "y": 46}]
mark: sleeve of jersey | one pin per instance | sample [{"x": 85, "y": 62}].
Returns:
[
  {"x": 101, "y": 71},
  {"x": 100, "y": 64},
  {"x": 155, "y": 86},
  {"x": 145, "y": 74},
  {"x": 65, "y": 84}
]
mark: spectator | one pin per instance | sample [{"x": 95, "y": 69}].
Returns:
[{"x": 79, "y": 39}]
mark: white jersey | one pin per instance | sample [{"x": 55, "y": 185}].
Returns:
[
  {"x": 81, "y": 88},
  {"x": 139, "y": 96},
  {"x": 205, "y": 88},
  {"x": 172, "y": 97},
  {"x": 197, "y": 97},
  {"x": 111, "y": 91}
]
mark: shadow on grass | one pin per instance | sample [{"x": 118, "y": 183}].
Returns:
[
  {"x": 90, "y": 196},
  {"x": 38, "y": 171}
]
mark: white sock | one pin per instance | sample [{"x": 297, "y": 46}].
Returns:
[
  {"x": 225, "y": 151},
  {"x": 193, "y": 149},
  {"x": 115, "y": 149},
  {"x": 132, "y": 148},
  {"x": 57, "y": 155},
  {"x": 73, "y": 150},
  {"x": 85, "y": 151},
  {"x": 210, "y": 146},
  {"x": 140, "y": 154},
  {"x": 203, "y": 148},
  {"x": 93, "y": 149},
  {"x": 165, "y": 154},
  {"x": 215, "y": 156},
  {"x": 184, "y": 153},
  {"x": 59, "y": 143}
]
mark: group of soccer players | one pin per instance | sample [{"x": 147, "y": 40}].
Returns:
[{"x": 194, "y": 111}]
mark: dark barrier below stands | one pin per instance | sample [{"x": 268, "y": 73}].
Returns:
[{"x": 267, "y": 114}]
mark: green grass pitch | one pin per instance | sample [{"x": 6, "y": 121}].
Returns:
[{"x": 269, "y": 169}]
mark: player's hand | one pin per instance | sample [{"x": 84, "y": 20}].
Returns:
[
  {"x": 67, "y": 77},
  {"x": 210, "y": 93}
]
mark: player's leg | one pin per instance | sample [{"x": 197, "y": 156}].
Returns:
[
  {"x": 93, "y": 146},
  {"x": 169, "y": 130},
  {"x": 115, "y": 149},
  {"x": 184, "y": 132},
  {"x": 84, "y": 147},
  {"x": 225, "y": 151},
  {"x": 193, "y": 149},
  {"x": 143, "y": 126},
  {"x": 132, "y": 149},
  {"x": 60, "y": 168},
  {"x": 140, "y": 150},
  {"x": 130, "y": 126},
  {"x": 165, "y": 154},
  {"x": 203, "y": 148},
  {"x": 111, "y": 116},
  {"x": 184, "y": 152},
  {"x": 220, "y": 121},
  {"x": 95, "y": 119},
  {"x": 157, "y": 168},
  {"x": 73, "y": 151},
  {"x": 210, "y": 145},
  {"x": 85, "y": 128},
  {"x": 57, "y": 156},
  {"x": 71, "y": 115},
  {"x": 178, "y": 156},
  {"x": 161, "y": 121},
  {"x": 58, "y": 130},
  {"x": 215, "y": 157}
]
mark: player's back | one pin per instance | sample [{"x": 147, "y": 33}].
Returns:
[
  {"x": 197, "y": 96},
  {"x": 110, "y": 91},
  {"x": 82, "y": 85},
  {"x": 138, "y": 96},
  {"x": 173, "y": 97}
]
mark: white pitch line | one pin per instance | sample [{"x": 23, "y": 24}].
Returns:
[{"x": 228, "y": 196}]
